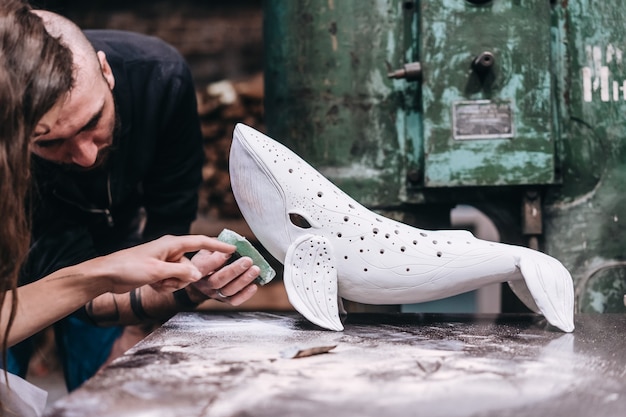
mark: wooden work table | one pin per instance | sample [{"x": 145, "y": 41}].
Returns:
[{"x": 240, "y": 364}]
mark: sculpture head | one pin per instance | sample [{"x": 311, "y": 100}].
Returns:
[{"x": 280, "y": 195}]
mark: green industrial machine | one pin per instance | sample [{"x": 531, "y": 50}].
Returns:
[{"x": 516, "y": 107}]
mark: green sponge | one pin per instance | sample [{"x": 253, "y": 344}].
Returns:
[{"x": 245, "y": 248}]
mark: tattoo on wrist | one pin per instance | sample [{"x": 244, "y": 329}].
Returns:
[
  {"x": 96, "y": 310},
  {"x": 137, "y": 306}
]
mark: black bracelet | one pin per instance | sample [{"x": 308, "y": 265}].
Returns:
[
  {"x": 182, "y": 299},
  {"x": 97, "y": 319},
  {"x": 136, "y": 306}
]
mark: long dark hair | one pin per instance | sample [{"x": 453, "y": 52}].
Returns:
[{"x": 35, "y": 72}]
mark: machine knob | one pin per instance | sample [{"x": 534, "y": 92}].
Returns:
[
  {"x": 484, "y": 62},
  {"x": 410, "y": 72}
]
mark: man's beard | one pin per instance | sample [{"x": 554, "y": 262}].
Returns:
[{"x": 103, "y": 154}]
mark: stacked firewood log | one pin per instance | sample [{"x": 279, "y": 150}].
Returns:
[{"x": 221, "y": 105}]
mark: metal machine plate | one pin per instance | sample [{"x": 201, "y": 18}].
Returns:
[
  {"x": 510, "y": 120},
  {"x": 482, "y": 119}
]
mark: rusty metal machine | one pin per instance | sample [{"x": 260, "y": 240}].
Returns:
[{"x": 516, "y": 107}]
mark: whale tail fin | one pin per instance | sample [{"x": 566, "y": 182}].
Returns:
[{"x": 550, "y": 287}]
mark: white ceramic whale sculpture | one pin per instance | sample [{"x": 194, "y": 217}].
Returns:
[{"x": 332, "y": 247}]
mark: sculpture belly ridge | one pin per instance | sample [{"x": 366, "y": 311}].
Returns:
[{"x": 392, "y": 263}]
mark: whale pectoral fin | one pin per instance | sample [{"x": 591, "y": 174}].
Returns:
[
  {"x": 520, "y": 289},
  {"x": 310, "y": 278},
  {"x": 342, "y": 309},
  {"x": 551, "y": 287}
]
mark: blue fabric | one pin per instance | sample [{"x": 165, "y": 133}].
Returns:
[
  {"x": 18, "y": 357},
  {"x": 82, "y": 349},
  {"x": 82, "y": 346}
]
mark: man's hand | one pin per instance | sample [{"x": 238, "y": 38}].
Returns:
[
  {"x": 232, "y": 284},
  {"x": 162, "y": 267}
]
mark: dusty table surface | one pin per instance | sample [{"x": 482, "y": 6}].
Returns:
[{"x": 237, "y": 364}]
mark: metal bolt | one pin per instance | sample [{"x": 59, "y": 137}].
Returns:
[
  {"x": 484, "y": 62},
  {"x": 413, "y": 176},
  {"x": 410, "y": 72}
]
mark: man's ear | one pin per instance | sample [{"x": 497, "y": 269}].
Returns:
[{"x": 107, "y": 73}]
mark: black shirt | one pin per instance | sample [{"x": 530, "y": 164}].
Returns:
[{"x": 154, "y": 166}]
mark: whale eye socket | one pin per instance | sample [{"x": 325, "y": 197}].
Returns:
[{"x": 299, "y": 221}]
